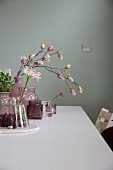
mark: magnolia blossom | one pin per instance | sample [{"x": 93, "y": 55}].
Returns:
[
  {"x": 43, "y": 46},
  {"x": 31, "y": 73},
  {"x": 60, "y": 77},
  {"x": 50, "y": 48},
  {"x": 31, "y": 56},
  {"x": 39, "y": 62},
  {"x": 46, "y": 57},
  {"x": 23, "y": 59},
  {"x": 80, "y": 89},
  {"x": 68, "y": 66},
  {"x": 60, "y": 56},
  {"x": 70, "y": 79},
  {"x": 72, "y": 92}
]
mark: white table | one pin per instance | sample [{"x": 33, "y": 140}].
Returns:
[{"x": 66, "y": 141}]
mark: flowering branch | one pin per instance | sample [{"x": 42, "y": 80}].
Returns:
[
  {"x": 58, "y": 95},
  {"x": 30, "y": 63}
]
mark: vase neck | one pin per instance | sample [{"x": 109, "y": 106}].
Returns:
[{"x": 18, "y": 79}]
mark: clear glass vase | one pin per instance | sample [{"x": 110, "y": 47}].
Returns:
[
  {"x": 52, "y": 105},
  {"x": 12, "y": 115},
  {"x": 29, "y": 95},
  {"x": 50, "y": 108}
]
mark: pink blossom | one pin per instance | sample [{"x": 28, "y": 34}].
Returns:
[
  {"x": 68, "y": 66},
  {"x": 46, "y": 57},
  {"x": 70, "y": 79},
  {"x": 31, "y": 56},
  {"x": 37, "y": 75},
  {"x": 28, "y": 71},
  {"x": 72, "y": 92},
  {"x": 60, "y": 56},
  {"x": 43, "y": 46},
  {"x": 50, "y": 48},
  {"x": 39, "y": 62},
  {"x": 23, "y": 60},
  {"x": 31, "y": 73},
  {"x": 60, "y": 77},
  {"x": 61, "y": 94}
]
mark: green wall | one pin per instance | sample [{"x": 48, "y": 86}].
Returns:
[{"x": 26, "y": 24}]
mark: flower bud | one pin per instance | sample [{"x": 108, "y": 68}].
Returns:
[
  {"x": 72, "y": 92},
  {"x": 60, "y": 77},
  {"x": 39, "y": 63},
  {"x": 80, "y": 89},
  {"x": 31, "y": 56},
  {"x": 68, "y": 66},
  {"x": 43, "y": 46},
  {"x": 70, "y": 79},
  {"x": 67, "y": 75},
  {"x": 60, "y": 56},
  {"x": 46, "y": 57},
  {"x": 50, "y": 48},
  {"x": 61, "y": 94},
  {"x": 23, "y": 60}
]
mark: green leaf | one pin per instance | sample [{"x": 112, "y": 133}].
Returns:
[{"x": 5, "y": 82}]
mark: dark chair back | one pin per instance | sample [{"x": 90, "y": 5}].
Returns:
[{"x": 107, "y": 134}]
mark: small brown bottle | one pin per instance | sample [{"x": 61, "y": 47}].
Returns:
[{"x": 35, "y": 109}]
